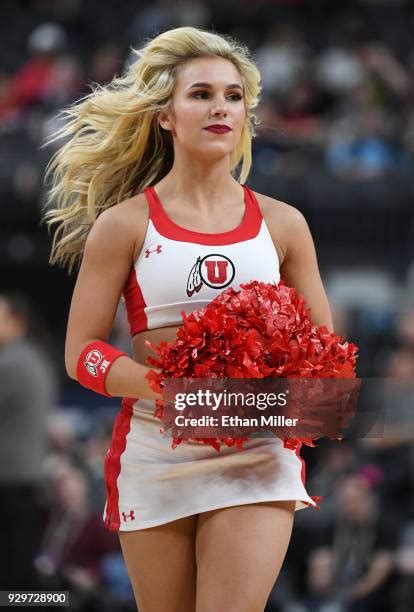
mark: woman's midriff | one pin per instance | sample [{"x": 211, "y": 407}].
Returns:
[{"x": 139, "y": 348}]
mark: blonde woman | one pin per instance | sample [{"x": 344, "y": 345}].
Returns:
[{"x": 147, "y": 196}]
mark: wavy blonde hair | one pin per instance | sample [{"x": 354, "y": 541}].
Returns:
[{"x": 115, "y": 146}]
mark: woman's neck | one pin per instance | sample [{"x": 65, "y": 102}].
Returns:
[{"x": 199, "y": 184}]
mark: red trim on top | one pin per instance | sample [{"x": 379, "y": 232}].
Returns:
[
  {"x": 135, "y": 304},
  {"x": 112, "y": 467},
  {"x": 247, "y": 230}
]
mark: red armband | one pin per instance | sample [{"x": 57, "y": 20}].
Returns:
[{"x": 94, "y": 364}]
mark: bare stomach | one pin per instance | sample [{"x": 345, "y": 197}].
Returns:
[{"x": 141, "y": 351}]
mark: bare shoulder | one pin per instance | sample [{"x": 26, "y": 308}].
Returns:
[
  {"x": 284, "y": 221},
  {"x": 123, "y": 226},
  {"x": 276, "y": 210}
]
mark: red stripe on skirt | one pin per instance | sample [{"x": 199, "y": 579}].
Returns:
[
  {"x": 296, "y": 445},
  {"x": 112, "y": 466}
]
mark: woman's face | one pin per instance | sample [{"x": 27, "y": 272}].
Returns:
[{"x": 208, "y": 91}]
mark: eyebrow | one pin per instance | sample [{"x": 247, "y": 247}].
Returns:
[{"x": 209, "y": 86}]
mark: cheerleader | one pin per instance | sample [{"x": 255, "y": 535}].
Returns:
[{"x": 150, "y": 198}]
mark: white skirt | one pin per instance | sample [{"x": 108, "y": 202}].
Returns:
[{"x": 148, "y": 483}]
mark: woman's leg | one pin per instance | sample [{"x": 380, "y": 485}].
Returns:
[
  {"x": 239, "y": 552},
  {"x": 161, "y": 565}
]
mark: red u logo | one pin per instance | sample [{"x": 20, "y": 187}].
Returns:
[{"x": 216, "y": 271}]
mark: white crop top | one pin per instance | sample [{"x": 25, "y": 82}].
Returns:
[{"x": 183, "y": 270}]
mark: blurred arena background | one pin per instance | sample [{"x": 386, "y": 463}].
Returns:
[{"x": 337, "y": 142}]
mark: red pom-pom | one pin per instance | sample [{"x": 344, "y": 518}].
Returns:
[{"x": 262, "y": 330}]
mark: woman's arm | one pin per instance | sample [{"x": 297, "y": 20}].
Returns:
[
  {"x": 299, "y": 266},
  {"x": 106, "y": 264}
]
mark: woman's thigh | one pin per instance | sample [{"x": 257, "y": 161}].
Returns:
[
  {"x": 239, "y": 552},
  {"x": 161, "y": 565}
]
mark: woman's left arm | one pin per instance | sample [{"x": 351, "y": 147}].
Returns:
[{"x": 299, "y": 267}]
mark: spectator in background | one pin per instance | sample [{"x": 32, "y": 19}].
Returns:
[
  {"x": 367, "y": 154},
  {"x": 28, "y": 86},
  {"x": 362, "y": 544},
  {"x": 106, "y": 61},
  {"x": 362, "y": 132},
  {"x": 282, "y": 59},
  {"x": 299, "y": 113},
  {"x": 319, "y": 592},
  {"x": 320, "y": 578},
  {"x": 62, "y": 438},
  {"x": 402, "y": 595},
  {"x": 65, "y": 83},
  {"x": 94, "y": 453},
  {"x": 74, "y": 541},
  {"x": 391, "y": 78},
  {"x": 392, "y": 454},
  {"x": 338, "y": 69},
  {"x": 27, "y": 396}
]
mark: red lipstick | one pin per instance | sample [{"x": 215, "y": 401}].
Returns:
[{"x": 218, "y": 129}]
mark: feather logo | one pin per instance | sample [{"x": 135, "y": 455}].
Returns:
[{"x": 194, "y": 282}]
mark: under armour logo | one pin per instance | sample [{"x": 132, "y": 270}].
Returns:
[
  {"x": 129, "y": 516},
  {"x": 157, "y": 250}
]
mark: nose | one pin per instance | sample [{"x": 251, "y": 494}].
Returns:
[{"x": 219, "y": 109}]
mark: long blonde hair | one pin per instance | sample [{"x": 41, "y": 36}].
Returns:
[{"x": 115, "y": 146}]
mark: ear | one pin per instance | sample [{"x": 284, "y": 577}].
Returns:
[{"x": 164, "y": 120}]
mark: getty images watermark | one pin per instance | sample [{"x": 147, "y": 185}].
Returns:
[
  {"x": 216, "y": 401},
  {"x": 295, "y": 407},
  {"x": 299, "y": 408}
]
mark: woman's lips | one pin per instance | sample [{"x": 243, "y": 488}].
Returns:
[{"x": 218, "y": 129}]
